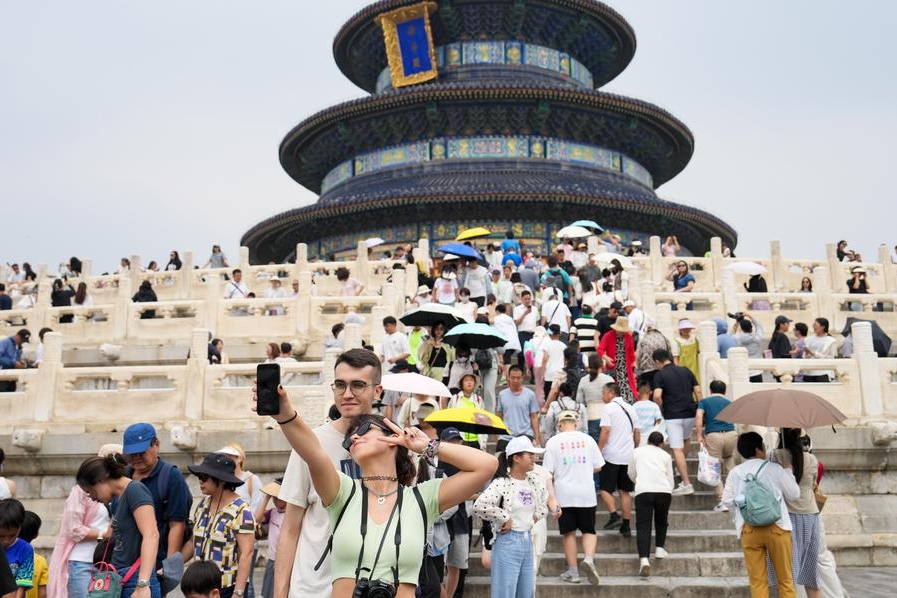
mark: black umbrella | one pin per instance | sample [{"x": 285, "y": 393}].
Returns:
[{"x": 881, "y": 342}]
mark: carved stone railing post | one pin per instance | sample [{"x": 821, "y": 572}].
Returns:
[
  {"x": 709, "y": 349},
  {"x": 86, "y": 270},
  {"x": 304, "y": 315},
  {"x": 648, "y": 302},
  {"x": 186, "y": 275},
  {"x": 822, "y": 286},
  {"x": 214, "y": 302},
  {"x": 716, "y": 260},
  {"x": 44, "y": 392},
  {"x": 301, "y": 258},
  {"x": 730, "y": 297},
  {"x": 636, "y": 275},
  {"x": 390, "y": 299},
  {"x": 867, "y": 364},
  {"x": 831, "y": 256},
  {"x": 243, "y": 261},
  {"x": 41, "y": 309},
  {"x": 739, "y": 377},
  {"x": 658, "y": 271},
  {"x": 196, "y": 375},
  {"x": 400, "y": 288},
  {"x": 889, "y": 270},
  {"x": 378, "y": 312},
  {"x": 778, "y": 275},
  {"x": 42, "y": 272},
  {"x": 363, "y": 266},
  {"x": 664, "y": 318},
  {"x": 593, "y": 243},
  {"x": 352, "y": 336},
  {"x": 121, "y": 320},
  {"x": 135, "y": 273}
]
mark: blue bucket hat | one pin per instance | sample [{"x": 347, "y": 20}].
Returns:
[{"x": 138, "y": 438}]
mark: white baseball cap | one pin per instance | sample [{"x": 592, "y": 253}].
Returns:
[{"x": 522, "y": 444}]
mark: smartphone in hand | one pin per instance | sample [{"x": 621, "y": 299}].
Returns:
[{"x": 267, "y": 381}]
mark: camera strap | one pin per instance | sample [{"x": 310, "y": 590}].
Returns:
[
  {"x": 339, "y": 518},
  {"x": 396, "y": 508}
]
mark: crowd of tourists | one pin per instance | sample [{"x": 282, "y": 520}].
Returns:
[{"x": 600, "y": 406}]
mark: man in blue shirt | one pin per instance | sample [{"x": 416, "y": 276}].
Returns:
[
  {"x": 518, "y": 407},
  {"x": 171, "y": 496},
  {"x": 510, "y": 243},
  {"x": 717, "y": 436},
  {"x": 5, "y": 300},
  {"x": 11, "y": 356}
]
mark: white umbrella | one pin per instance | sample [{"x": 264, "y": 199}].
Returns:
[
  {"x": 573, "y": 232},
  {"x": 417, "y": 384},
  {"x": 449, "y": 257},
  {"x": 608, "y": 256},
  {"x": 749, "y": 268},
  {"x": 373, "y": 242}
]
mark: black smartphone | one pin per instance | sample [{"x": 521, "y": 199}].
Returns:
[{"x": 267, "y": 380}]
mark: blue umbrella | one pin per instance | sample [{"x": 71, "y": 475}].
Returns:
[
  {"x": 460, "y": 249},
  {"x": 475, "y": 336},
  {"x": 589, "y": 224}
]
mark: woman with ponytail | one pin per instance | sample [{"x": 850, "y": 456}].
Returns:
[
  {"x": 135, "y": 536},
  {"x": 804, "y": 514}
]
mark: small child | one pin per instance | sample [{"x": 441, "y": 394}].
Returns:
[
  {"x": 202, "y": 579},
  {"x": 19, "y": 553},
  {"x": 29, "y": 531},
  {"x": 274, "y": 519},
  {"x": 648, "y": 412}
]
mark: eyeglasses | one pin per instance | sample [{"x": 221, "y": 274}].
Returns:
[
  {"x": 356, "y": 386},
  {"x": 681, "y": 265},
  {"x": 363, "y": 429},
  {"x": 202, "y": 477}
]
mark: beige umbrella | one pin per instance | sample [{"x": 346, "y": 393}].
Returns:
[{"x": 782, "y": 408}]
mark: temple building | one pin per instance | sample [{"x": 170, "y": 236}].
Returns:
[{"x": 512, "y": 133}]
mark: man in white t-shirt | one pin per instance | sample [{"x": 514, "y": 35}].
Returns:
[
  {"x": 619, "y": 437},
  {"x": 573, "y": 458},
  {"x": 478, "y": 281},
  {"x": 555, "y": 311},
  {"x": 235, "y": 288},
  {"x": 395, "y": 343},
  {"x": 306, "y": 527},
  {"x": 552, "y": 356},
  {"x": 526, "y": 318}
]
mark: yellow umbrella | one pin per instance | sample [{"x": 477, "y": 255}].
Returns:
[
  {"x": 473, "y": 233},
  {"x": 468, "y": 419}
]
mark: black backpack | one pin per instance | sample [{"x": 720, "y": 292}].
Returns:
[
  {"x": 555, "y": 280},
  {"x": 483, "y": 360}
]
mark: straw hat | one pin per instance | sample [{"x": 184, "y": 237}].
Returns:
[{"x": 621, "y": 325}]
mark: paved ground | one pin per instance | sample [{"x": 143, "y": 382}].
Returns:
[{"x": 860, "y": 582}]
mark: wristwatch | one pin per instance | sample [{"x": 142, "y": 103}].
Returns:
[{"x": 142, "y": 583}]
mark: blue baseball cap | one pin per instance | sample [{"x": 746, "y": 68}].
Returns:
[
  {"x": 138, "y": 438},
  {"x": 450, "y": 434}
]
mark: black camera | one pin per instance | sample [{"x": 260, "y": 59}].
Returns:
[
  {"x": 366, "y": 588},
  {"x": 737, "y": 316}
]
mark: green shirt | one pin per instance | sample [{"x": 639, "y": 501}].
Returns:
[{"x": 346, "y": 543}]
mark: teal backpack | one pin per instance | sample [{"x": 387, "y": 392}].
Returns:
[{"x": 761, "y": 507}]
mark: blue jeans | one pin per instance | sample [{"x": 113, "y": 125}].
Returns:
[
  {"x": 128, "y": 589},
  {"x": 512, "y": 566},
  {"x": 268, "y": 580},
  {"x": 79, "y": 579}
]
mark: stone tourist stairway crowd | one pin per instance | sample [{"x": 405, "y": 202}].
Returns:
[{"x": 591, "y": 377}]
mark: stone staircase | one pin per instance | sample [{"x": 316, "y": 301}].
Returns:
[{"x": 705, "y": 557}]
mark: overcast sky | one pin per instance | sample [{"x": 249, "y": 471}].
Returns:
[{"x": 141, "y": 127}]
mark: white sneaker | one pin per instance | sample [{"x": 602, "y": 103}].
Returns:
[
  {"x": 644, "y": 568},
  {"x": 721, "y": 508},
  {"x": 591, "y": 571},
  {"x": 568, "y": 577},
  {"x": 683, "y": 489},
  {"x": 660, "y": 553}
]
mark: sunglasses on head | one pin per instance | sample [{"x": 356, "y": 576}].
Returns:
[{"x": 362, "y": 430}]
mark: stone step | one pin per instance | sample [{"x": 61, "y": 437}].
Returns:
[
  {"x": 655, "y": 586},
  {"x": 679, "y": 519},
  {"x": 678, "y": 541},
  {"x": 692, "y": 564}
]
